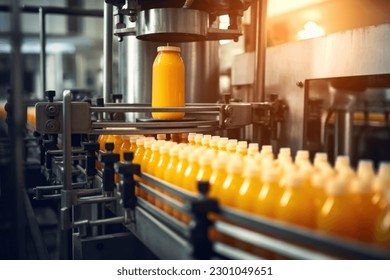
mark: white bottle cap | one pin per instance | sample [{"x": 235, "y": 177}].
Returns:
[
  {"x": 168, "y": 49},
  {"x": 366, "y": 169},
  {"x": 341, "y": 161},
  {"x": 285, "y": 151}
]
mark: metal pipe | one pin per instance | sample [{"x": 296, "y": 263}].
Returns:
[
  {"x": 107, "y": 52},
  {"x": 125, "y": 109},
  {"x": 16, "y": 134},
  {"x": 67, "y": 139},
  {"x": 261, "y": 45},
  {"x": 42, "y": 54}
]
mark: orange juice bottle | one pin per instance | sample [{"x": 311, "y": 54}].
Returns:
[
  {"x": 198, "y": 139},
  {"x": 364, "y": 207},
  {"x": 169, "y": 174},
  {"x": 382, "y": 229},
  {"x": 133, "y": 143},
  {"x": 301, "y": 157},
  {"x": 189, "y": 176},
  {"x": 182, "y": 165},
  {"x": 269, "y": 194},
  {"x": 319, "y": 159},
  {"x": 380, "y": 185},
  {"x": 206, "y": 141},
  {"x": 233, "y": 181},
  {"x": 295, "y": 206},
  {"x": 222, "y": 143},
  {"x": 242, "y": 148},
  {"x": 125, "y": 147},
  {"x": 205, "y": 166},
  {"x": 147, "y": 155},
  {"x": 139, "y": 153},
  {"x": 231, "y": 146},
  {"x": 218, "y": 174},
  {"x": 318, "y": 182},
  {"x": 102, "y": 141},
  {"x": 250, "y": 187},
  {"x": 168, "y": 82},
  {"x": 214, "y": 144},
  {"x": 161, "y": 168},
  {"x": 191, "y": 138},
  {"x": 366, "y": 170},
  {"x": 266, "y": 149},
  {"x": 341, "y": 161},
  {"x": 337, "y": 215},
  {"x": 154, "y": 158},
  {"x": 253, "y": 149}
]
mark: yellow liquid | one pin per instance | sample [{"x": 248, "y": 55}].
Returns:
[
  {"x": 246, "y": 196},
  {"x": 189, "y": 177},
  {"x": 125, "y": 148},
  {"x": 216, "y": 182},
  {"x": 139, "y": 154},
  {"x": 338, "y": 217},
  {"x": 102, "y": 141},
  {"x": 295, "y": 207},
  {"x": 266, "y": 199},
  {"x": 168, "y": 84},
  {"x": 382, "y": 230},
  {"x": 204, "y": 173},
  {"x": 160, "y": 170},
  {"x": 230, "y": 189},
  {"x": 169, "y": 176},
  {"x": 368, "y": 214},
  {"x": 146, "y": 159}
]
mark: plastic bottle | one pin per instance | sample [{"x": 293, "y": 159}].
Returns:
[
  {"x": 139, "y": 153},
  {"x": 301, "y": 157},
  {"x": 161, "y": 168},
  {"x": 218, "y": 174},
  {"x": 231, "y": 146},
  {"x": 382, "y": 229},
  {"x": 342, "y": 161},
  {"x": 367, "y": 212},
  {"x": 269, "y": 194},
  {"x": 250, "y": 187},
  {"x": 233, "y": 181},
  {"x": 191, "y": 138},
  {"x": 337, "y": 215},
  {"x": 189, "y": 176},
  {"x": 133, "y": 143},
  {"x": 242, "y": 149},
  {"x": 161, "y": 137},
  {"x": 318, "y": 182},
  {"x": 205, "y": 166},
  {"x": 294, "y": 206},
  {"x": 381, "y": 184},
  {"x": 319, "y": 159},
  {"x": 253, "y": 149},
  {"x": 147, "y": 154},
  {"x": 125, "y": 147},
  {"x": 102, "y": 141},
  {"x": 168, "y": 82},
  {"x": 214, "y": 144},
  {"x": 154, "y": 158},
  {"x": 222, "y": 143},
  {"x": 206, "y": 141},
  {"x": 198, "y": 139},
  {"x": 366, "y": 170}
]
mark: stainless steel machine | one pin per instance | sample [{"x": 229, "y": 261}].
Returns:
[{"x": 99, "y": 218}]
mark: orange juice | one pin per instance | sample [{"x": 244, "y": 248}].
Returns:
[
  {"x": 365, "y": 209},
  {"x": 380, "y": 185},
  {"x": 125, "y": 147},
  {"x": 191, "y": 138},
  {"x": 182, "y": 165},
  {"x": 102, "y": 141},
  {"x": 189, "y": 176},
  {"x": 233, "y": 181},
  {"x": 337, "y": 215},
  {"x": 205, "y": 166},
  {"x": 318, "y": 181},
  {"x": 250, "y": 187},
  {"x": 382, "y": 229},
  {"x": 154, "y": 158},
  {"x": 161, "y": 168},
  {"x": 170, "y": 172},
  {"x": 147, "y": 154},
  {"x": 269, "y": 194},
  {"x": 295, "y": 206},
  {"x": 222, "y": 143},
  {"x": 133, "y": 143},
  {"x": 168, "y": 82},
  {"x": 218, "y": 175},
  {"x": 198, "y": 139},
  {"x": 139, "y": 153}
]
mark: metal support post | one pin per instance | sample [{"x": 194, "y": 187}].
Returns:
[{"x": 107, "y": 52}]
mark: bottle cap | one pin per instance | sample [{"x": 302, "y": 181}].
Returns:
[
  {"x": 231, "y": 147},
  {"x": 254, "y": 146},
  {"x": 241, "y": 149},
  {"x": 214, "y": 143},
  {"x": 285, "y": 151},
  {"x": 341, "y": 161},
  {"x": 198, "y": 138},
  {"x": 242, "y": 143},
  {"x": 320, "y": 157},
  {"x": 366, "y": 169},
  {"x": 216, "y": 137},
  {"x": 266, "y": 148},
  {"x": 161, "y": 136},
  {"x": 168, "y": 49},
  {"x": 206, "y": 141},
  {"x": 384, "y": 171},
  {"x": 140, "y": 142}
]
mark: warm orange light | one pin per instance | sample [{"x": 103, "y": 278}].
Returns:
[{"x": 310, "y": 30}]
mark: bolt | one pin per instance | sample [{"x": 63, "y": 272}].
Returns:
[
  {"x": 228, "y": 122},
  {"x": 228, "y": 110},
  {"x": 51, "y": 126},
  {"x": 300, "y": 84},
  {"x": 51, "y": 111}
]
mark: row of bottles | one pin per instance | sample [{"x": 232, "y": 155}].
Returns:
[{"x": 336, "y": 200}]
